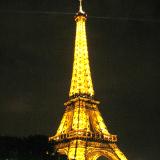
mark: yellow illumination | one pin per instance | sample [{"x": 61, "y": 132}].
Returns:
[
  {"x": 77, "y": 150},
  {"x": 118, "y": 152},
  {"x": 98, "y": 123},
  {"x": 81, "y": 82},
  {"x": 65, "y": 125},
  {"x": 82, "y": 133},
  {"x": 80, "y": 118}
]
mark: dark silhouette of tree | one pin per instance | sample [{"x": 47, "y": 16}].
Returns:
[
  {"x": 32, "y": 147},
  {"x": 35, "y": 147}
]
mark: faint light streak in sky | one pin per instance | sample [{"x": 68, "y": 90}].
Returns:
[
  {"x": 128, "y": 19},
  {"x": 151, "y": 20}
]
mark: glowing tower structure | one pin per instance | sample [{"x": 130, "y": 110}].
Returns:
[{"x": 82, "y": 134}]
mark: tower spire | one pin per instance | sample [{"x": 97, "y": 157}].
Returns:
[{"x": 80, "y": 7}]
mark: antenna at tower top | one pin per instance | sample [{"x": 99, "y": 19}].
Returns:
[{"x": 80, "y": 7}]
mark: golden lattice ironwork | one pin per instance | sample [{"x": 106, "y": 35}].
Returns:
[
  {"x": 82, "y": 133},
  {"x": 81, "y": 82}
]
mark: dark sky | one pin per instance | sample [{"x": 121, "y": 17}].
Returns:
[{"x": 36, "y": 55}]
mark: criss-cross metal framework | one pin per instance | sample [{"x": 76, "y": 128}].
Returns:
[{"x": 82, "y": 133}]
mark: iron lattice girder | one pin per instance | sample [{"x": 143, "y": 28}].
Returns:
[
  {"x": 81, "y": 82},
  {"x": 83, "y": 135},
  {"x": 88, "y": 103},
  {"x": 82, "y": 118}
]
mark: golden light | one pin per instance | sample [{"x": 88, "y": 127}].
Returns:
[
  {"x": 82, "y": 133},
  {"x": 81, "y": 82}
]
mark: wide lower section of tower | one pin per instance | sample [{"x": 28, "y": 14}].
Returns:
[
  {"x": 85, "y": 150},
  {"x": 82, "y": 133}
]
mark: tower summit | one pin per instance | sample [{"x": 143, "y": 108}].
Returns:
[
  {"x": 80, "y": 7},
  {"x": 82, "y": 133}
]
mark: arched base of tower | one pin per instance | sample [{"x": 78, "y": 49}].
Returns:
[
  {"x": 109, "y": 151},
  {"x": 91, "y": 151},
  {"x": 97, "y": 153}
]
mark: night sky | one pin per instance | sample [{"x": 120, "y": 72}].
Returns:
[{"x": 36, "y": 55}]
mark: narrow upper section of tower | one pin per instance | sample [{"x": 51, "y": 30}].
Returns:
[{"x": 81, "y": 83}]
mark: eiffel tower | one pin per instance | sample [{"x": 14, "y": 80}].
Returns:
[{"x": 82, "y": 133}]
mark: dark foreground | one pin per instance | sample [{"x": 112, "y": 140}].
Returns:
[{"x": 34, "y": 147}]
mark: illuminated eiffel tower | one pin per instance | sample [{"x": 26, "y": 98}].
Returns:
[{"x": 82, "y": 134}]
